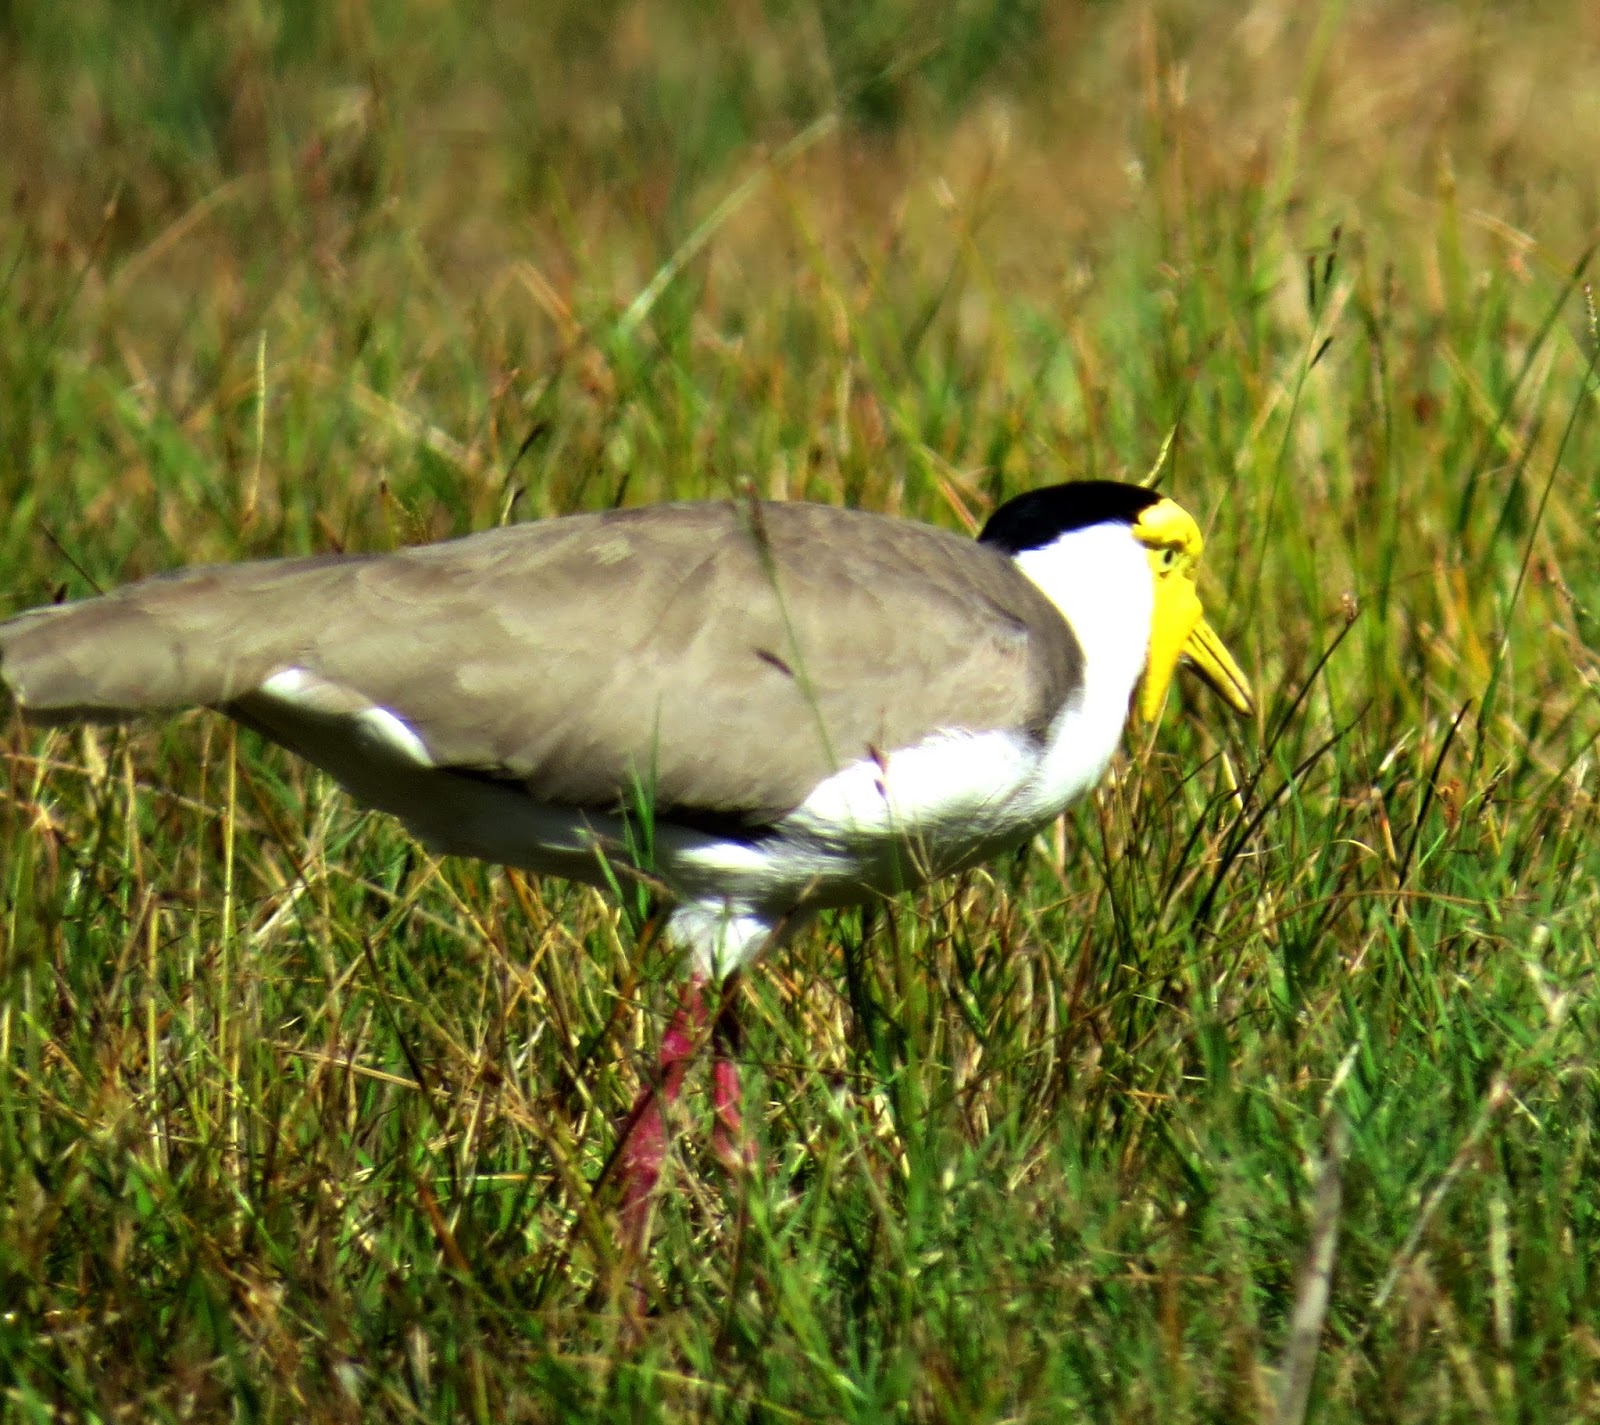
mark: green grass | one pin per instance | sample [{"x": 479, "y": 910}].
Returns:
[{"x": 298, "y": 1123}]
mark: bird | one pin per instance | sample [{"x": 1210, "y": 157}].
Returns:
[{"x": 765, "y": 708}]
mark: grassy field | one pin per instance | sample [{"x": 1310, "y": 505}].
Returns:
[{"x": 298, "y": 1123}]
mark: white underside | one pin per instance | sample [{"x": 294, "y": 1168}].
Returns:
[{"x": 870, "y": 829}]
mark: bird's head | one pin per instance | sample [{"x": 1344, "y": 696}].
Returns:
[
  {"x": 1049, "y": 518},
  {"x": 1179, "y": 631}
]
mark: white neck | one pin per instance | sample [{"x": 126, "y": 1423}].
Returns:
[{"x": 1100, "y": 580}]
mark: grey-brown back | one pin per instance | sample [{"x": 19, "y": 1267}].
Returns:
[{"x": 727, "y": 656}]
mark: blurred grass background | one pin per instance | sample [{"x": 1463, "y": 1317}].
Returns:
[{"x": 297, "y": 1123}]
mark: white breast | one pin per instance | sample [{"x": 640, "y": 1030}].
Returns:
[{"x": 1100, "y": 580}]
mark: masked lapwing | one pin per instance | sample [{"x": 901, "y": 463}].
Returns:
[{"x": 810, "y": 706}]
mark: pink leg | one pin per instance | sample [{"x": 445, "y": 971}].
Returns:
[
  {"x": 734, "y": 1151},
  {"x": 728, "y": 1128},
  {"x": 644, "y": 1138}
]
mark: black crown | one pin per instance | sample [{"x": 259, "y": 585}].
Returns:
[{"x": 1035, "y": 519}]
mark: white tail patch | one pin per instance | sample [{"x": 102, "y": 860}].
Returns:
[
  {"x": 386, "y": 728},
  {"x": 303, "y": 691}
]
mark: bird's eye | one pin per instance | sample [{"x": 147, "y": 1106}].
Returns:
[{"x": 1169, "y": 557}]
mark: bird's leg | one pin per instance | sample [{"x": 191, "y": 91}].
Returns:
[
  {"x": 728, "y": 1140},
  {"x": 643, "y": 1149},
  {"x": 644, "y": 1138}
]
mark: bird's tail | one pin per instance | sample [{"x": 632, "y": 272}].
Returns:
[{"x": 200, "y": 637}]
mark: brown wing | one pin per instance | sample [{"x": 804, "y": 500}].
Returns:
[{"x": 727, "y": 656}]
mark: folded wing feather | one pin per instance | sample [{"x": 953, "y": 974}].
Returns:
[{"x": 726, "y": 656}]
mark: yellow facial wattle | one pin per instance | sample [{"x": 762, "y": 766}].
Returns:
[{"x": 1178, "y": 628}]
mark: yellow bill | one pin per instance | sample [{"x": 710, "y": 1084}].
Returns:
[{"x": 1179, "y": 632}]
